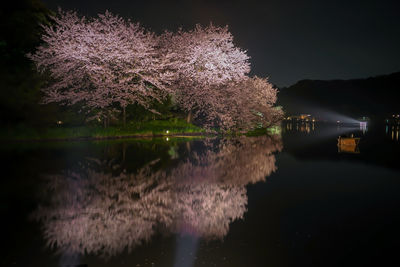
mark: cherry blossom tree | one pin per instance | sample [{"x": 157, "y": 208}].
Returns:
[
  {"x": 206, "y": 58},
  {"x": 244, "y": 105},
  {"x": 237, "y": 105},
  {"x": 101, "y": 63},
  {"x": 212, "y": 82}
]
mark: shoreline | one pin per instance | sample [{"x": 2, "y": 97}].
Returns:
[
  {"x": 146, "y": 132},
  {"x": 111, "y": 137}
]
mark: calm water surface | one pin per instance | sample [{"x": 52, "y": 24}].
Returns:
[{"x": 289, "y": 200}]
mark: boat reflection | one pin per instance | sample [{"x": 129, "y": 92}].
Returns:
[{"x": 104, "y": 213}]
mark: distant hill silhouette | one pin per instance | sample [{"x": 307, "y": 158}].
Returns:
[{"x": 375, "y": 97}]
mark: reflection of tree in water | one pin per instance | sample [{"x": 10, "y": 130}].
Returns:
[{"x": 96, "y": 212}]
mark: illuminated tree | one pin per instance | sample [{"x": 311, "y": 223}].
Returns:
[
  {"x": 250, "y": 104},
  {"x": 205, "y": 59},
  {"x": 101, "y": 63},
  {"x": 212, "y": 83}
]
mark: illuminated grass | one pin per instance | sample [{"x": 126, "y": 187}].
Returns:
[
  {"x": 135, "y": 129},
  {"x": 149, "y": 128},
  {"x": 273, "y": 130}
]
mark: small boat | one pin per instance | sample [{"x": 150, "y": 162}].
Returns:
[{"x": 348, "y": 144}]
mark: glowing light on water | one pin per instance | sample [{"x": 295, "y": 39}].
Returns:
[
  {"x": 363, "y": 126},
  {"x": 395, "y": 133},
  {"x": 305, "y": 127},
  {"x": 70, "y": 260},
  {"x": 392, "y": 132},
  {"x": 186, "y": 250}
]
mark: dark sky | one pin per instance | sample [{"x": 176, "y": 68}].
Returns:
[{"x": 287, "y": 40}]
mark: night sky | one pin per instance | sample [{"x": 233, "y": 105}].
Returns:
[{"x": 286, "y": 40}]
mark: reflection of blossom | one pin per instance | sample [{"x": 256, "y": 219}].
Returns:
[
  {"x": 207, "y": 209},
  {"x": 97, "y": 212},
  {"x": 247, "y": 160}
]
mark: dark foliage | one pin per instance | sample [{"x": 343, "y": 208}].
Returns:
[{"x": 19, "y": 83}]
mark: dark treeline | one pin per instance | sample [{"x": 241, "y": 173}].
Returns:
[
  {"x": 375, "y": 97},
  {"x": 19, "y": 81}
]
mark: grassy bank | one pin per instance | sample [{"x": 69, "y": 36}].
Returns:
[
  {"x": 273, "y": 130},
  {"x": 149, "y": 128}
]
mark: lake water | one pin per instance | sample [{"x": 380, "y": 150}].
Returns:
[{"x": 291, "y": 200}]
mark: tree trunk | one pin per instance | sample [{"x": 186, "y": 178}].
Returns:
[
  {"x": 189, "y": 117},
  {"x": 123, "y": 151},
  {"x": 124, "y": 116},
  {"x": 188, "y": 147}
]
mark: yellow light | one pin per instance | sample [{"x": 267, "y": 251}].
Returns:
[
  {"x": 167, "y": 139},
  {"x": 167, "y": 131}
]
